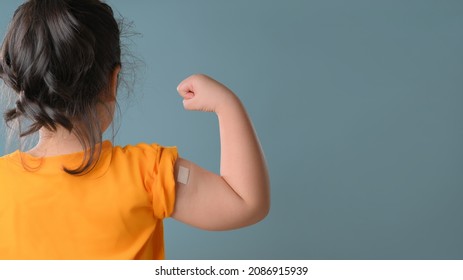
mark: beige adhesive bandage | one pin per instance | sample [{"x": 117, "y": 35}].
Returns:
[{"x": 183, "y": 174}]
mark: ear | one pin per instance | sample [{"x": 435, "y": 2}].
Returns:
[
  {"x": 114, "y": 82},
  {"x": 110, "y": 95}
]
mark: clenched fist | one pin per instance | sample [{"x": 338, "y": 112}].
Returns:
[{"x": 202, "y": 93}]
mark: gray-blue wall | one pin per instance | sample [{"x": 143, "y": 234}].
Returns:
[{"x": 358, "y": 105}]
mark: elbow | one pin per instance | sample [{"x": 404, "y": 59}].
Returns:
[
  {"x": 256, "y": 215},
  {"x": 264, "y": 208},
  {"x": 259, "y": 216},
  {"x": 260, "y": 210},
  {"x": 263, "y": 211}
]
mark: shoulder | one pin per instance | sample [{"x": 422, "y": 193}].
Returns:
[
  {"x": 142, "y": 148},
  {"x": 145, "y": 152},
  {"x": 10, "y": 159}
]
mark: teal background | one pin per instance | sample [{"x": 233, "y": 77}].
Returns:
[{"x": 358, "y": 105}]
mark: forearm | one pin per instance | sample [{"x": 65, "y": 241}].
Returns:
[{"x": 242, "y": 163}]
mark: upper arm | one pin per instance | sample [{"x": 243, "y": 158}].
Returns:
[{"x": 207, "y": 201}]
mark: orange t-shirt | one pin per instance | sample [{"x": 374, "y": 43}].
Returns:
[{"x": 113, "y": 212}]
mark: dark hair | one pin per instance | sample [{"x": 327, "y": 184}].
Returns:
[{"x": 58, "y": 56}]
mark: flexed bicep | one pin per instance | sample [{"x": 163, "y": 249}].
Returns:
[{"x": 205, "y": 200}]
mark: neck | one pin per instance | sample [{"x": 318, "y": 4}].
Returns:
[{"x": 56, "y": 143}]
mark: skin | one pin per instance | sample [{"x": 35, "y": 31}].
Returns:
[{"x": 239, "y": 196}]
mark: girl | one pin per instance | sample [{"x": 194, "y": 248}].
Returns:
[{"x": 75, "y": 196}]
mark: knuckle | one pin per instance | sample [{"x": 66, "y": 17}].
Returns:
[{"x": 200, "y": 76}]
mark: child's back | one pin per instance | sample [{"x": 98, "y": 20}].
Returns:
[{"x": 114, "y": 212}]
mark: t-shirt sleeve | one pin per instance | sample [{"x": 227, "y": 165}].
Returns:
[{"x": 161, "y": 183}]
